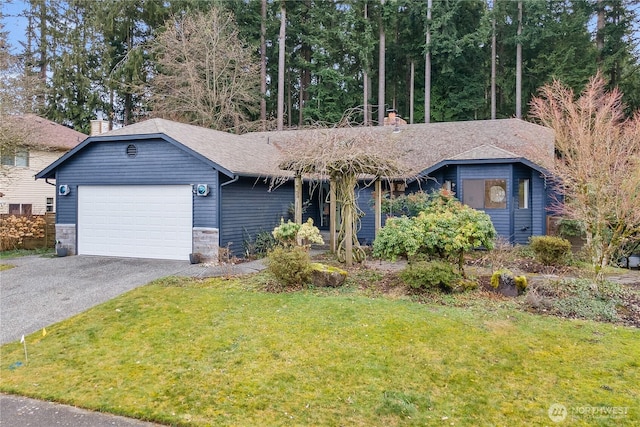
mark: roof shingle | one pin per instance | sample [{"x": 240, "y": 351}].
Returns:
[{"x": 40, "y": 132}]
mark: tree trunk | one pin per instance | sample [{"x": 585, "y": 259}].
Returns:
[
  {"x": 519, "y": 65},
  {"x": 427, "y": 67},
  {"x": 332, "y": 215},
  {"x": 381, "y": 71},
  {"x": 411, "y": 90},
  {"x": 365, "y": 82},
  {"x": 348, "y": 239},
  {"x": 263, "y": 65},
  {"x": 281, "y": 47},
  {"x": 493, "y": 69},
  {"x": 600, "y": 25},
  {"x": 378, "y": 207}
]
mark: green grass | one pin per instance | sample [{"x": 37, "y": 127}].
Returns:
[
  {"x": 14, "y": 253},
  {"x": 185, "y": 352}
]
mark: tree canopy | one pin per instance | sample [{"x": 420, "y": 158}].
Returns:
[{"x": 94, "y": 57}]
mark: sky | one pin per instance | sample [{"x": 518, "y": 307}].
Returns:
[{"x": 15, "y": 25}]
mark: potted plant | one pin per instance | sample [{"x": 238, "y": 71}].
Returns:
[{"x": 60, "y": 250}]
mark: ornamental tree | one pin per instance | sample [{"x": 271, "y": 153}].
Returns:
[{"x": 597, "y": 164}]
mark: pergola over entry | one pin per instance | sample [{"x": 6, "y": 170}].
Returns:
[{"x": 343, "y": 158}]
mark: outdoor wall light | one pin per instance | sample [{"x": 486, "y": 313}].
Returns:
[
  {"x": 202, "y": 189},
  {"x": 64, "y": 190}
]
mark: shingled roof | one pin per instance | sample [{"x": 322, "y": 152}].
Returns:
[
  {"x": 425, "y": 145},
  {"x": 43, "y": 133},
  {"x": 238, "y": 154},
  {"x": 422, "y": 146}
]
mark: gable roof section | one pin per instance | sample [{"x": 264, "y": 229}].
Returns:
[
  {"x": 239, "y": 155},
  {"x": 229, "y": 153},
  {"x": 485, "y": 151},
  {"x": 45, "y": 134}
]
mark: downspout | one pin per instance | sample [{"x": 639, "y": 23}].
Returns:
[{"x": 47, "y": 181}]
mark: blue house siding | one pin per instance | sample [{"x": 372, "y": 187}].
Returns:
[
  {"x": 539, "y": 203},
  {"x": 364, "y": 199},
  {"x": 248, "y": 208},
  {"x": 522, "y": 218},
  {"x": 501, "y": 218},
  {"x": 157, "y": 162}
]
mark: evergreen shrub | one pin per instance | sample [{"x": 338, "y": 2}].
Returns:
[
  {"x": 431, "y": 275},
  {"x": 550, "y": 250}
]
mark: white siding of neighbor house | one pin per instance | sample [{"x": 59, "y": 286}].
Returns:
[{"x": 20, "y": 187}]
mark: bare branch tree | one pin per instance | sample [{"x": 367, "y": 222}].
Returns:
[
  {"x": 597, "y": 163},
  {"x": 346, "y": 156},
  {"x": 206, "y": 75}
]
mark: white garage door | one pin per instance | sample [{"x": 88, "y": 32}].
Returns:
[{"x": 142, "y": 221}]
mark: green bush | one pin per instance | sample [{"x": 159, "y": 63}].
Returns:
[
  {"x": 290, "y": 266},
  {"x": 258, "y": 245},
  {"x": 293, "y": 234},
  {"x": 446, "y": 229},
  {"x": 398, "y": 238},
  {"x": 464, "y": 285},
  {"x": 550, "y": 250},
  {"x": 433, "y": 275}
]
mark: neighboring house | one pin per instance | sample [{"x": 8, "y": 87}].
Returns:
[
  {"x": 161, "y": 189},
  {"x": 43, "y": 141}
]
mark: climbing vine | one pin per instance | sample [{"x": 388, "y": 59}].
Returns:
[{"x": 346, "y": 156}]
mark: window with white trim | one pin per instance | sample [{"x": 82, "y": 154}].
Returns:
[
  {"x": 523, "y": 194},
  {"x": 15, "y": 157}
]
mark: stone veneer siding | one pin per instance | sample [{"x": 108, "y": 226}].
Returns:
[
  {"x": 66, "y": 235},
  {"x": 205, "y": 243}
]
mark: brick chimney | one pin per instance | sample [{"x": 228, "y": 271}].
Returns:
[{"x": 99, "y": 127}]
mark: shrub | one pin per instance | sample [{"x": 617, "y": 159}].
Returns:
[
  {"x": 447, "y": 229},
  {"x": 550, "y": 250},
  {"x": 286, "y": 233},
  {"x": 309, "y": 233},
  {"x": 289, "y": 233},
  {"x": 14, "y": 229},
  {"x": 259, "y": 245},
  {"x": 399, "y": 237},
  {"x": 464, "y": 285},
  {"x": 430, "y": 276},
  {"x": 291, "y": 266}
]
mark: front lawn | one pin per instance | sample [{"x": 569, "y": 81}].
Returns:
[{"x": 218, "y": 352}]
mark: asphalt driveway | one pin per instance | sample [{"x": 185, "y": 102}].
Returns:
[{"x": 40, "y": 290}]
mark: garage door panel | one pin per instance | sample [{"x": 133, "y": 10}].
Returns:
[{"x": 135, "y": 221}]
